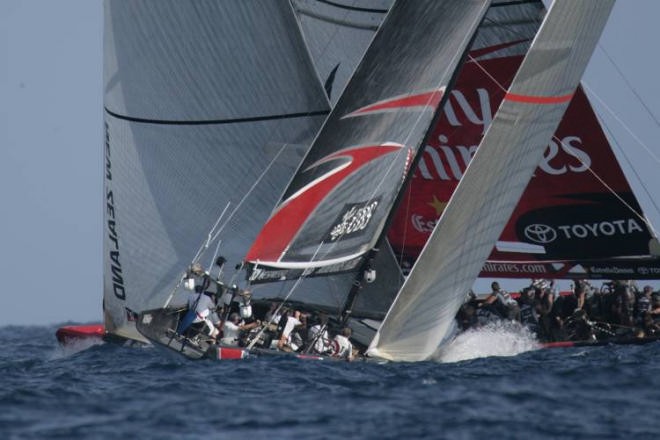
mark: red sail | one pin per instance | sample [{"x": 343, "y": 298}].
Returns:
[{"x": 565, "y": 214}]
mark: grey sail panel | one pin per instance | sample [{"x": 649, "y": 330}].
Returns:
[
  {"x": 203, "y": 101},
  {"x": 493, "y": 182},
  {"x": 338, "y": 202},
  {"x": 374, "y": 297},
  {"x": 337, "y": 34}
]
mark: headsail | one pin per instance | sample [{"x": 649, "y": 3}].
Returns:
[
  {"x": 202, "y": 101},
  {"x": 337, "y": 204},
  {"x": 494, "y": 181}
]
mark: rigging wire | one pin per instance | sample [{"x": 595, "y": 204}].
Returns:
[
  {"x": 203, "y": 246},
  {"x": 279, "y": 308},
  {"x": 622, "y": 150},
  {"x": 213, "y": 234},
  {"x": 630, "y": 86},
  {"x": 249, "y": 192},
  {"x": 596, "y": 176}
]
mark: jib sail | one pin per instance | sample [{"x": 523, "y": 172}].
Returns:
[{"x": 487, "y": 194}]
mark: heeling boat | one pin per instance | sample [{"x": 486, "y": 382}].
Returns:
[
  {"x": 336, "y": 35},
  {"x": 189, "y": 112},
  {"x": 421, "y": 67},
  {"x": 336, "y": 208}
]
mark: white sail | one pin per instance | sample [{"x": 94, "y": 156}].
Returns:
[
  {"x": 199, "y": 98},
  {"x": 511, "y": 149}
]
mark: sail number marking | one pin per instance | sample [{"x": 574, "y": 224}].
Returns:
[{"x": 354, "y": 220}]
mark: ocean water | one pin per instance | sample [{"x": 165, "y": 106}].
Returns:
[{"x": 488, "y": 385}]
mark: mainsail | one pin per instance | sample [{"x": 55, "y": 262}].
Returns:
[
  {"x": 203, "y": 101},
  {"x": 485, "y": 198},
  {"x": 337, "y": 205}
]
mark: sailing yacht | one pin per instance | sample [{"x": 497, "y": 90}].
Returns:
[{"x": 333, "y": 217}]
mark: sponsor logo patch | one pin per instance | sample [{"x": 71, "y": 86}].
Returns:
[
  {"x": 353, "y": 221},
  {"x": 543, "y": 234}
]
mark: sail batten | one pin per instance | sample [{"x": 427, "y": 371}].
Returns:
[{"x": 492, "y": 184}]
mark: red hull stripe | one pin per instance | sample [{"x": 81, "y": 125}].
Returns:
[
  {"x": 528, "y": 99},
  {"x": 282, "y": 227},
  {"x": 231, "y": 353},
  {"x": 426, "y": 99},
  {"x": 80, "y": 332}
]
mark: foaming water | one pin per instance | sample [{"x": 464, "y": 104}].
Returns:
[{"x": 495, "y": 339}]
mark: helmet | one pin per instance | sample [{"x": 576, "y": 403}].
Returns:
[
  {"x": 246, "y": 311},
  {"x": 196, "y": 269},
  {"x": 189, "y": 284}
]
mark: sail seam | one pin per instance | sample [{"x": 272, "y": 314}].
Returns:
[
  {"x": 352, "y": 8},
  {"x": 218, "y": 121},
  {"x": 338, "y": 22},
  {"x": 513, "y": 3}
]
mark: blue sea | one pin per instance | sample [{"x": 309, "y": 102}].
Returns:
[{"x": 489, "y": 385}]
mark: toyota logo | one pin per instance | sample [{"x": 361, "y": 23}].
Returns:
[{"x": 540, "y": 233}]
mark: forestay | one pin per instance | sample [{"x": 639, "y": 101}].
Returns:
[
  {"x": 493, "y": 182},
  {"x": 334, "y": 210},
  {"x": 203, "y": 100}
]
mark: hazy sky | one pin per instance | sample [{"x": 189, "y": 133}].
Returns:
[{"x": 51, "y": 145}]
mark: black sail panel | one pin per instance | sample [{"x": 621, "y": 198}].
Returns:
[{"x": 337, "y": 204}]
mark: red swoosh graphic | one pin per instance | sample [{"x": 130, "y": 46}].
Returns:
[
  {"x": 529, "y": 99},
  {"x": 280, "y": 230},
  {"x": 426, "y": 99}
]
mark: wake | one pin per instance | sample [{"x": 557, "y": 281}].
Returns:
[{"x": 494, "y": 339}]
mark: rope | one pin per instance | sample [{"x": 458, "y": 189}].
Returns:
[
  {"x": 249, "y": 192},
  {"x": 286, "y": 298},
  {"x": 204, "y": 245}
]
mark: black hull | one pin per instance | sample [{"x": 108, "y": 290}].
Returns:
[{"x": 159, "y": 327}]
